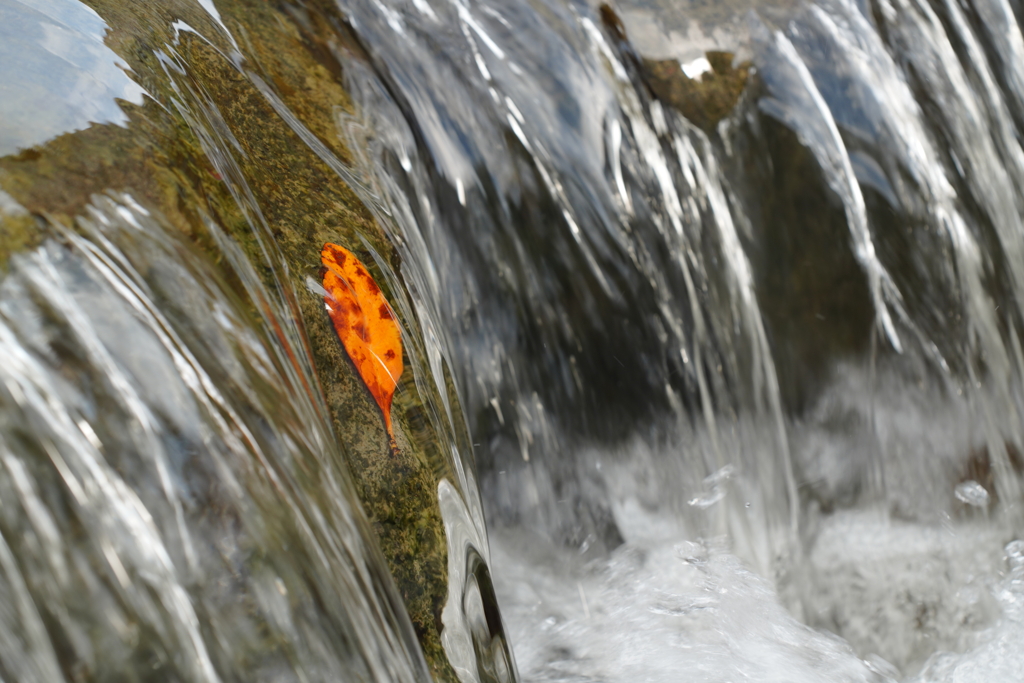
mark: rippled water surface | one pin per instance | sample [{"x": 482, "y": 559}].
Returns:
[{"x": 58, "y": 76}]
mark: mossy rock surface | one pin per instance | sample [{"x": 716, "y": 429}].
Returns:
[
  {"x": 253, "y": 145},
  {"x": 705, "y": 100}
]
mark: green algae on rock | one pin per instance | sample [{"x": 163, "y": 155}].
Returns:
[{"x": 18, "y": 229}]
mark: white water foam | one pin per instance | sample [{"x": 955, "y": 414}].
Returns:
[{"x": 665, "y": 608}]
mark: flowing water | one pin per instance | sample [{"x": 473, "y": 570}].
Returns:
[
  {"x": 744, "y": 402},
  {"x": 175, "y": 439}
]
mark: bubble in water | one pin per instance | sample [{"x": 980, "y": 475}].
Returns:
[
  {"x": 972, "y": 493},
  {"x": 1015, "y": 554},
  {"x": 709, "y": 499},
  {"x": 714, "y": 489}
]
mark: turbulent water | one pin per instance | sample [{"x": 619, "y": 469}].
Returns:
[{"x": 746, "y": 404}]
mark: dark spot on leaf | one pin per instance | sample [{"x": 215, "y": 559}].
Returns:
[{"x": 369, "y": 280}]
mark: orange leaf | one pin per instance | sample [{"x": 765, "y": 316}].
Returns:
[{"x": 365, "y": 325}]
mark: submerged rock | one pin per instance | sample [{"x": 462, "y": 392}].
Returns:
[
  {"x": 18, "y": 230},
  {"x": 238, "y": 135}
]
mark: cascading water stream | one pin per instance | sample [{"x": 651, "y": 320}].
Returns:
[
  {"x": 466, "y": 126},
  {"x": 128, "y": 558},
  {"x": 530, "y": 184},
  {"x": 717, "y": 388}
]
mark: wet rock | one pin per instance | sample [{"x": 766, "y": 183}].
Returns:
[
  {"x": 252, "y": 145},
  {"x": 706, "y": 99}
]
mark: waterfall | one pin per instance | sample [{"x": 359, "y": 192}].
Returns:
[
  {"x": 688, "y": 384},
  {"x": 473, "y": 112}
]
